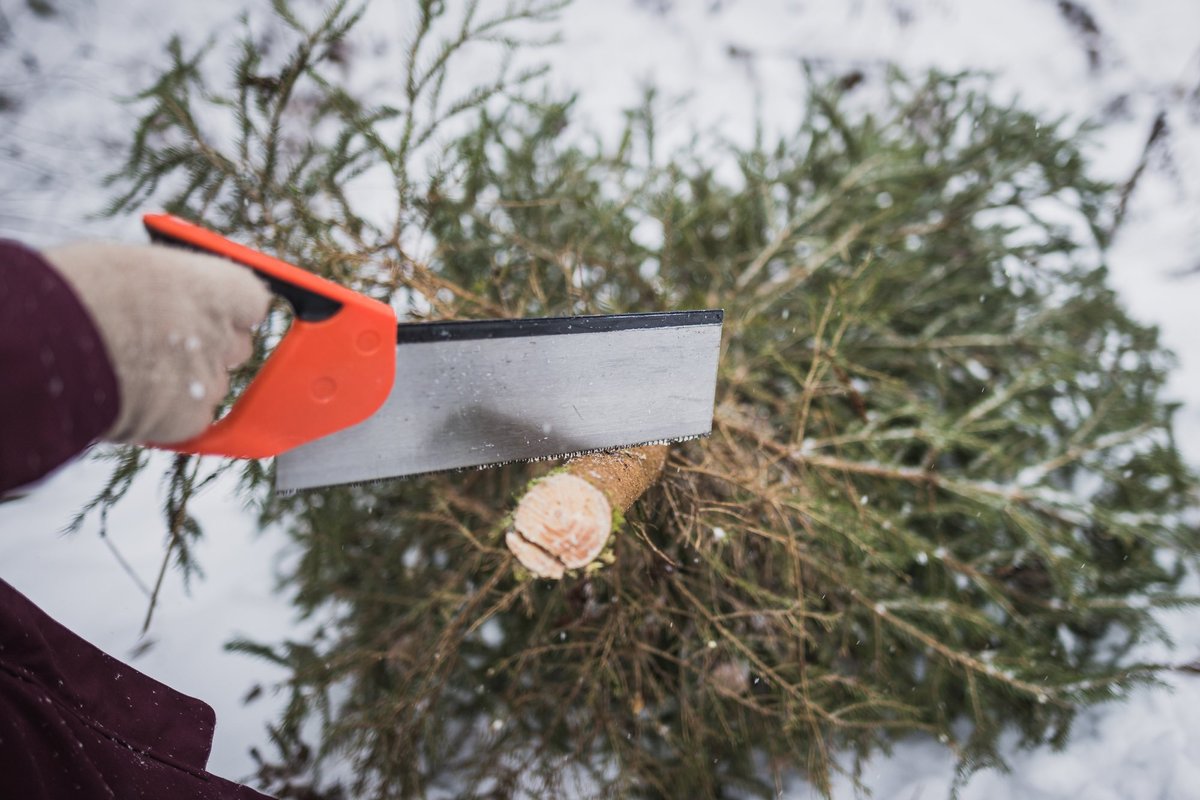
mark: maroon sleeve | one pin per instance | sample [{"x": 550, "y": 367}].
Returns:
[
  {"x": 77, "y": 723},
  {"x": 58, "y": 391}
]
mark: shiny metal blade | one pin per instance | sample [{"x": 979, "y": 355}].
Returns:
[{"x": 470, "y": 394}]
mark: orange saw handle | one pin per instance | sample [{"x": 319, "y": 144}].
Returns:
[{"x": 333, "y": 368}]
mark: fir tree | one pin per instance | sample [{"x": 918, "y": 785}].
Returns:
[{"x": 941, "y": 496}]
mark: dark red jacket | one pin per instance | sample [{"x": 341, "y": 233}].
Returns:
[
  {"x": 75, "y": 722},
  {"x": 57, "y": 388}
]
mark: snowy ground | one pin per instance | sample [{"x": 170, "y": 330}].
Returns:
[{"x": 61, "y": 130}]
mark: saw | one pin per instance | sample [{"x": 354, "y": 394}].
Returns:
[{"x": 351, "y": 395}]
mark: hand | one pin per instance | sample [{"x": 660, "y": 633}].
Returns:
[{"x": 173, "y": 322}]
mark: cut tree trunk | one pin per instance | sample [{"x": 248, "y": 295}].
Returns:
[{"x": 564, "y": 520}]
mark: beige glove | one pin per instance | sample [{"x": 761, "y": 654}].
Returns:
[{"x": 173, "y": 322}]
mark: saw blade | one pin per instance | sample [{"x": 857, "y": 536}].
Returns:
[{"x": 477, "y": 393}]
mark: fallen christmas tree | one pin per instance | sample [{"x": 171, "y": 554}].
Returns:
[{"x": 941, "y": 495}]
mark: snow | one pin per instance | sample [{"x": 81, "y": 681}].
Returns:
[{"x": 719, "y": 65}]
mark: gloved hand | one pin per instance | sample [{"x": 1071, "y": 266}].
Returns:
[{"x": 173, "y": 322}]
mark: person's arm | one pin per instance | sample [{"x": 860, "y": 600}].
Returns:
[
  {"x": 118, "y": 342},
  {"x": 125, "y": 343},
  {"x": 58, "y": 390}
]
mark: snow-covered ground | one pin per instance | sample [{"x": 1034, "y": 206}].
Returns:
[{"x": 62, "y": 129}]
